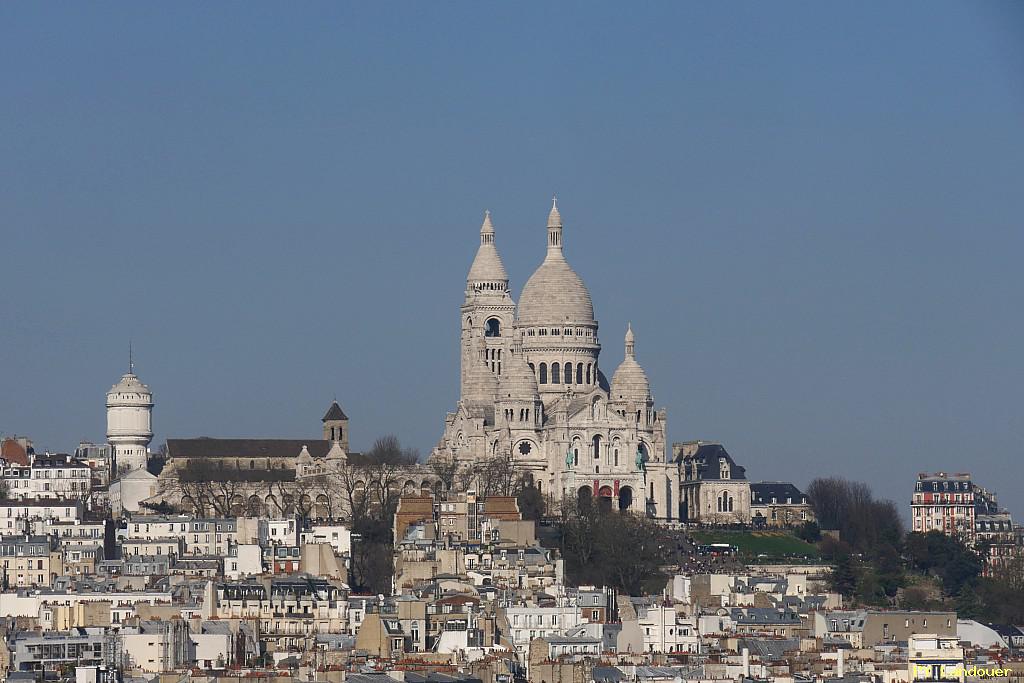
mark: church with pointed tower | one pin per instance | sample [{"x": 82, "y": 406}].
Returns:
[{"x": 532, "y": 389}]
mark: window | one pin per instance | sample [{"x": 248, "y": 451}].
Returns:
[
  {"x": 543, "y": 373},
  {"x": 555, "y": 374}
]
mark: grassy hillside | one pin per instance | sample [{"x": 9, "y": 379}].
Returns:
[{"x": 774, "y": 545}]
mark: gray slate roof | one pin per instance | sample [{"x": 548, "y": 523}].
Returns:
[
  {"x": 762, "y": 492},
  {"x": 335, "y": 413},
  {"x": 708, "y": 458}
]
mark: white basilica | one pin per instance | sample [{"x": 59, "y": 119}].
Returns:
[{"x": 532, "y": 389}]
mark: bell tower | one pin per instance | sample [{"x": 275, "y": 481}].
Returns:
[
  {"x": 487, "y": 312},
  {"x": 336, "y": 425}
]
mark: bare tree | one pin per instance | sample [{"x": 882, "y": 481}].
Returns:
[
  {"x": 351, "y": 485},
  {"x": 205, "y": 487},
  {"x": 499, "y": 476},
  {"x": 863, "y": 522},
  {"x": 385, "y": 464},
  {"x": 446, "y": 470}
]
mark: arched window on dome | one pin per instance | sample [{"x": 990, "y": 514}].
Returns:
[
  {"x": 579, "y": 373},
  {"x": 492, "y": 328},
  {"x": 543, "y": 373},
  {"x": 555, "y": 379}
]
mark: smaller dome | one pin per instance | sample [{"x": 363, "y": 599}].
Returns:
[
  {"x": 630, "y": 381},
  {"x": 518, "y": 381},
  {"x": 487, "y": 266},
  {"x": 482, "y": 384}
]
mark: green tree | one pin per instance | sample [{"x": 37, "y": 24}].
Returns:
[
  {"x": 943, "y": 556},
  {"x": 843, "y": 579},
  {"x": 969, "y": 603},
  {"x": 809, "y": 531},
  {"x": 606, "y": 547},
  {"x": 531, "y": 503}
]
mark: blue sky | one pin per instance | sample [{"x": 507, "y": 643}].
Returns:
[{"x": 810, "y": 212}]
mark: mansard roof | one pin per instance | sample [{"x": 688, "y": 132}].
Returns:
[
  {"x": 763, "y": 492},
  {"x": 708, "y": 458}
]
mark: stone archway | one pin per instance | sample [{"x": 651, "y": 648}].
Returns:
[
  {"x": 625, "y": 498},
  {"x": 254, "y": 506},
  {"x": 323, "y": 506}
]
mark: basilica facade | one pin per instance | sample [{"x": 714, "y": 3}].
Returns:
[{"x": 532, "y": 389}]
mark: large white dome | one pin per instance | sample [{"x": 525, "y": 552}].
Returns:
[{"x": 555, "y": 294}]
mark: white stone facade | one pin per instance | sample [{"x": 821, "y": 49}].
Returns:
[{"x": 532, "y": 389}]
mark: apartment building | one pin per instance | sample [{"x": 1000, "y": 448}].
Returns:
[
  {"x": 29, "y": 561},
  {"x": 48, "y": 476},
  {"x": 944, "y": 502}
]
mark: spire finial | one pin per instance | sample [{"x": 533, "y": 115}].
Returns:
[
  {"x": 630, "y": 341},
  {"x": 131, "y": 359},
  {"x": 487, "y": 229},
  {"x": 554, "y": 226}
]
